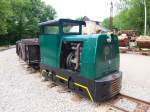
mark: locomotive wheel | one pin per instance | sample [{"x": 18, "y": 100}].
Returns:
[{"x": 69, "y": 63}]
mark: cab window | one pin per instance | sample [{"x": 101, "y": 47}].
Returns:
[
  {"x": 51, "y": 30},
  {"x": 70, "y": 28}
]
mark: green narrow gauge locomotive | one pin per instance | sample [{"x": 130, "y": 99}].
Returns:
[{"x": 87, "y": 64}]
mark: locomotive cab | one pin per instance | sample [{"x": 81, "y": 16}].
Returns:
[
  {"x": 51, "y": 39},
  {"x": 87, "y": 64}
]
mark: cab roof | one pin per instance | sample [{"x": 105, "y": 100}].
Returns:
[{"x": 64, "y": 21}]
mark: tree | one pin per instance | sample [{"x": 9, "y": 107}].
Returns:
[
  {"x": 145, "y": 9},
  {"x": 106, "y": 23},
  {"x": 79, "y": 18},
  {"x": 23, "y": 18},
  {"x": 27, "y": 15},
  {"x": 131, "y": 15},
  {"x": 4, "y": 14}
]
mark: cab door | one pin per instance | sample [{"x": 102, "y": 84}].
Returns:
[{"x": 50, "y": 46}]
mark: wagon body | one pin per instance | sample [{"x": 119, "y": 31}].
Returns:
[
  {"x": 29, "y": 51},
  {"x": 143, "y": 43}
]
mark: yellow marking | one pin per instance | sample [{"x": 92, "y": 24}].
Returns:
[
  {"x": 60, "y": 77},
  {"x": 77, "y": 84},
  {"x": 82, "y": 86}
]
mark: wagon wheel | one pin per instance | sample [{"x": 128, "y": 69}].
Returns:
[{"x": 45, "y": 75}]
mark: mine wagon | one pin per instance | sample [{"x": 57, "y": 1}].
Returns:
[{"x": 29, "y": 51}]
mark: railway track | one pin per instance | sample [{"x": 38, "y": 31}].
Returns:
[
  {"x": 145, "y": 52},
  {"x": 124, "y": 103}
]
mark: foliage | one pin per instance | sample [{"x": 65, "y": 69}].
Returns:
[
  {"x": 80, "y": 18},
  {"x": 21, "y": 17},
  {"x": 4, "y": 14},
  {"x": 131, "y": 15},
  {"x": 106, "y": 22}
]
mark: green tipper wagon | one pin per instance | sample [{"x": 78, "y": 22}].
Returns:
[{"x": 87, "y": 64}]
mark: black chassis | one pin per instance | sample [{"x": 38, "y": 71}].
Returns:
[{"x": 96, "y": 90}]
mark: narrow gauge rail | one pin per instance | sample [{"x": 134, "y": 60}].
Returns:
[{"x": 125, "y": 103}]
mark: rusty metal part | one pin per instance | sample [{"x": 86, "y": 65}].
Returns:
[{"x": 129, "y": 104}]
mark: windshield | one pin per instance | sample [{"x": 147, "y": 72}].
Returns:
[{"x": 71, "y": 28}]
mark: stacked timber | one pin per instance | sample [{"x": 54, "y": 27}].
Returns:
[
  {"x": 123, "y": 40},
  {"x": 143, "y": 42}
]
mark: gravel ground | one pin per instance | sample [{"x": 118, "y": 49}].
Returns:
[
  {"x": 136, "y": 76},
  {"x": 22, "y": 91}
]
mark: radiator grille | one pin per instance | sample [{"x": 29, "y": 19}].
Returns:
[{"x": 115, "y": 86}]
